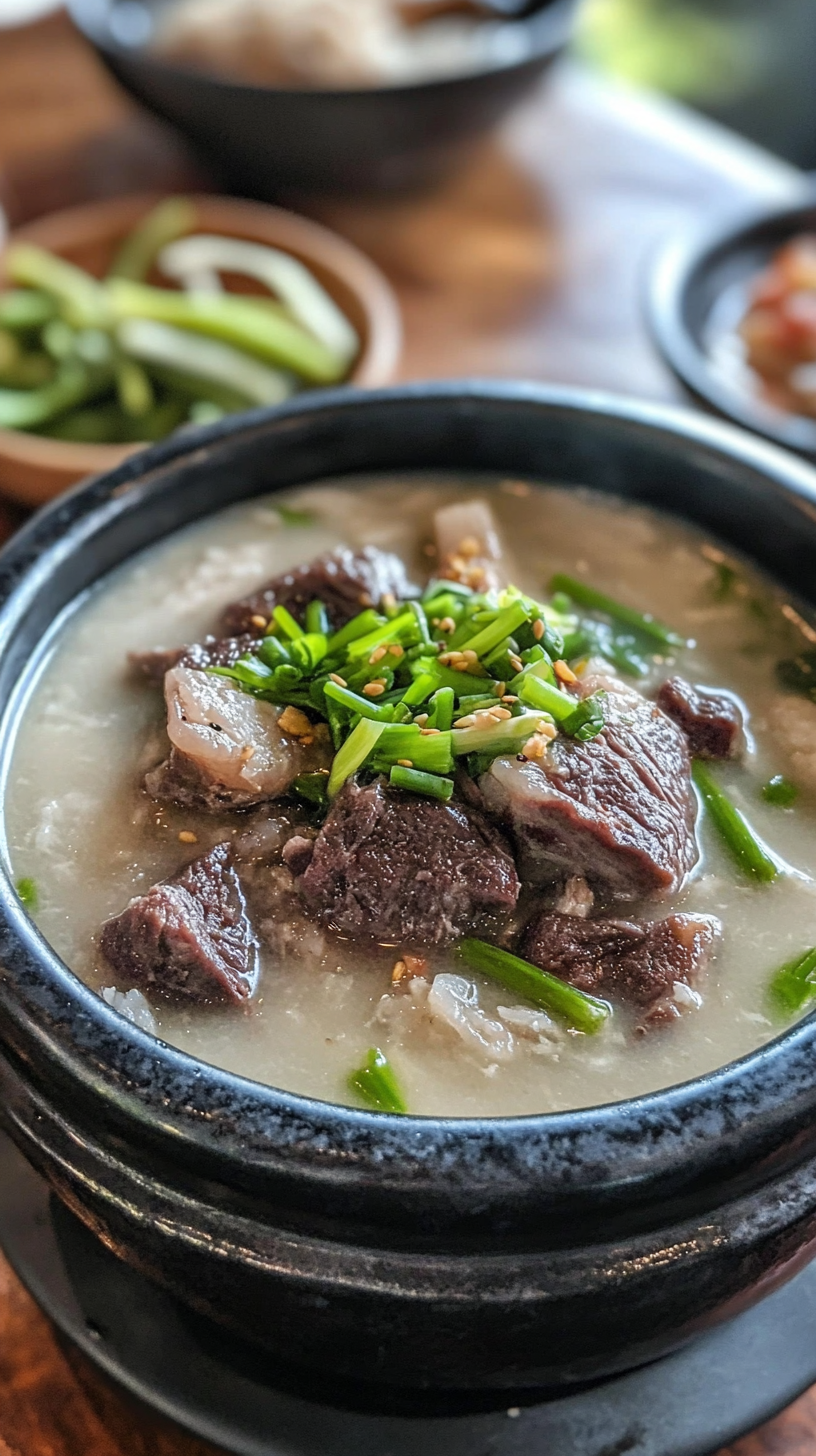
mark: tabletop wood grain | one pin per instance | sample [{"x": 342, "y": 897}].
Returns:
[{"x": 529, "y": 262}]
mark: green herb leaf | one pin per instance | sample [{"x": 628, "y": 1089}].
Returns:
[
  {"x": 794, "y": 984},
  {"x": 781, "y": 791},
  {"x": 28, "y": 894}
]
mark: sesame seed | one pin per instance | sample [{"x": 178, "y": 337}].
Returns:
[
  {"x": 429, "y": 732},
  {"x": 421, "y": 719},
  {"x": 405, "y": 762},
  {"x": 446, "y": 625},
  {"x": 187, "y": 837},
  {"x": 336, "y": 678},
  {"x": 378, "y": 654},
  {"x": 365, "y": 599},
  {"x": 470, "y": 656},
  {"x": 258, "y": 621},
  {"x": 509, "y": 698},
  {"x": 564, "y": 672},
  {"x": 374, "y": 689},
  {"x": 501, "y": 713},
  {"x": 400, "y": 970},
  {"x": 389, "y": 601},
  {"x": 515, "y": 662},
  {"x": 501, "y": 689},
  {"x": 396, "y": 650},
  {"x": 467, "y": 722},
  {"x": 538, "y": 629}
]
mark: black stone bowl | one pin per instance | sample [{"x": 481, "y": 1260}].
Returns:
[
  {"x": 458, "y": 1253},
  {"x": 270, "y": 142},
  {"x": 697, "y": 294}
]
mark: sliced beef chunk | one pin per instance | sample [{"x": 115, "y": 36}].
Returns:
[
  {"x": 212, "y": 652},
  {"x": 618, "y": 811},
  {"x": 393, "y": 866},
  {"x": 229, "y": 749},
  {"x": 189, "y": 936},
  {"x": 346, "y": 581},
  {"x": 647, "y": 965},
  {"x": 711, "y": 721}
]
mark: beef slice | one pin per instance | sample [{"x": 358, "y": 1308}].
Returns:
[
  {"x": 345, "y": 581},
  {"x": 394, "y": 866},
  {"x": 712, "y": 721},
  {"x": 189, "y": 937},
  {"x": 618, "y": 811}
]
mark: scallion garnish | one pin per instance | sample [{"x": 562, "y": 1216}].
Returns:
[
  {"x": 744, "y": 844},
  {"x": 595, "y": 601},
  {"x": 794, "y": 984},
  {"x": 421, "y": 783},
  {"x": 27, "y": 893},
  {"x": 353, "y": 753},
  {"x": 289, "y": 627},
  {"x": 356, "y": 703},
  {"x": 573, "y": 1007},
  {"x": 781, "y": 791},
  {"x": 376, "y": 1085}
]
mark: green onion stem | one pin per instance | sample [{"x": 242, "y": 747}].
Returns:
[
  {"x": 579, "y": 1011},
  {"x": 376, "y": 1085},
  {"x": 736, "y": 833},
  {"x": 363, "y": 623},
  {"x": 356, "y": 703},
  {"x": 794, "y": 984},
  {"x": 162, "y": 225},
  {"x": 353, "y": 753},
  {"x": 421, "y": 783},
  {"x": 587, "y": 596},
  {"x": 507, "y": 737},
  {"x": 492, "y": 636}
]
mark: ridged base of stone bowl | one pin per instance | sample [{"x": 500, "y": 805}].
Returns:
[{"x": 689, "y": 1404}]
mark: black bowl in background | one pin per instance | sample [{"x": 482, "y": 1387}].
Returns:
[
  {"x": 425, "y": 1252},
  {"x": 698, "y": 292},
  {"x": 268, "y": 142}
]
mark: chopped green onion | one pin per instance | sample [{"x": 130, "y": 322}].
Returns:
[
  {"x": 506, "y": 737},
  {"x": 27, "y": 893},
  {"x": 794, "y": 984},
  {"x": 441, "y": 584},
  {"x": 441, "y": 710},
  {"x": 273, "y": 652},
  {"x": 587, "y": 721},
  {"x": 308, "y": 650},
  {"x": 375, "y": 1084},
  {"x": 429, "y": 752},
  {"x": 312, "y": 787},
  {"x": 421, "y": 622},
  {"x": 209, "y": 360},
  {"x": 539, "y": 694},
  {"x": 587, "y": 596},
  {"x": 466, "y": 684},
  {"x": 317, "y": 620},
  {"x": 353, "y": 753},
  {"x": 421, "y": 688},
  {"x": 356, "y": 703},
  {"x": 358, "y": 627},
  {"x": 287, "y": 623},
  {"x": 798, "y": 674},
  {"x": 25, "y": 409},
  {"x": 421, "y": 783},
  {"x": 746, "y": 847},
  {"x": 397, "y": 630},
  {"x": 781, "y": 791},
  {"x": 579, "y": 1011},
  {"x": 133, "y": 388},
  {"x": 491, "y": 637},
  {"x": 292, "y": 517}
]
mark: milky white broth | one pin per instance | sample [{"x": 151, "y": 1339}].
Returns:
[{"x": 79, "y": 824}]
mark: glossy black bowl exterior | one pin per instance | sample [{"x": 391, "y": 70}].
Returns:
[
  {"x": 268, "y": 143},
  {"x": 697, "y": 292},
  {"x": 447, "y": 1253}
]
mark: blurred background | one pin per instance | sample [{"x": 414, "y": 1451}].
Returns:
[{"x": 748, "y": 63}]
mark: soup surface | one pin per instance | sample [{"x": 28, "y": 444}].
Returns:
[{"x": 83, "y": 836}]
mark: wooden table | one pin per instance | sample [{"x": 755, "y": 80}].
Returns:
[{"x": 529, "y": 263}]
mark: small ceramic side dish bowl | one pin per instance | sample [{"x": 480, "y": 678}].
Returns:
[
  {"x": 697, "y": 295},
  {"x": 33, "y": 468},
  {"x": 270, "y": 141},
  {"x": 499, "y": 1253}
]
